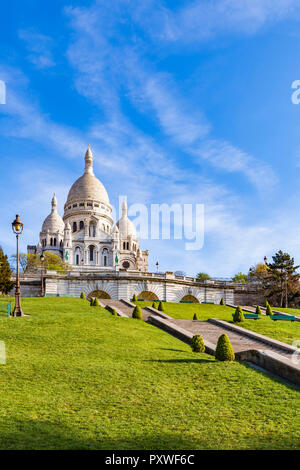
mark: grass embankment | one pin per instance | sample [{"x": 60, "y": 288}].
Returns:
[
  {"x": 79, "y": 378},
  {"x": 285, "y": 331}
]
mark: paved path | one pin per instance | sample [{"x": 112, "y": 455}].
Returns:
[{"x": 209, "y": 331}]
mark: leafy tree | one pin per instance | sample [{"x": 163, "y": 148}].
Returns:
[
  {"x": 238, "y": 315},
  {"x": 51, "y": 262},
  {"x": 5, "y": 274},
  {"x": 137, "y": 313},
  {"x": 203, "y": 276},
  {"x": 197, "y": 344},
  {"x": 240, "y": 278},
  {"x": 282, "y": 283},
  {"x": 224, "y": 349},
  {"x": 269, "y": 310},
  {"x": 258, "y": 310}
]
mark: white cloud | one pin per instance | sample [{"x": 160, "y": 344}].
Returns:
[{"x": 39, "y": 47}]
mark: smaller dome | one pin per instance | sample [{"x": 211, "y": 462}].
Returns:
[
  {"x": 125, "y": 226},
  {"x": 53, "y": 223}
]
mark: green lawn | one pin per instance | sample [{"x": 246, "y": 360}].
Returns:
[
  {"x": 284, "y": 331},
  {"x": 78, "y": 378}
]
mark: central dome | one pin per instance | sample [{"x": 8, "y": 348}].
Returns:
[{"x": 88, "y": 186}]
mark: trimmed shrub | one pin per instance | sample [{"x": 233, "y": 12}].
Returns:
[
  {"x": 137, "y": 313},
  {"x": 269, "y": 310},
  {"x": 258, "y": 310},
  {"x": 238, "y": 315},
  {"x": 266, "y": 304},
  {"x": 134, "y": 298},
  {"x": 196, "y": 316},
  {"x": 114, "y": 312},
  {"x": 197, "y": 344},
  {"x": 96, "y": 302},
  {"x": 153, "y": 305},
  {"x": 161, "y": 307},
  {"x": 224, "y": 349},
  {"x": 82, "y": 295},
  {"x": 222, "y": 301},
  {"x": 92, "y": 302}
]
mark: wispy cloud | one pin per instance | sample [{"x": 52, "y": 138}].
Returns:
[{"x": 39, "y": 47}]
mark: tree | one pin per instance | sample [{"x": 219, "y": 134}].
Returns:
[
  {"x": 240, "y": 278},
  {"x": 134, "y": 298},
  {"x": 6, "y": 284},
  {"x": 238, "y": 315},
  {"x": 196, "y": 316},
  {"x": 282, "y": 281},
  {"x": 203, "y": 276},
  {"x": 96, "y": 302},
  {"x": 82, "y": 295},
  {"x": 153, "y": 305},
  {"x": 23, "y": 257},
  {"x": 161, "y": 307},
  {"x": 269, "y": 310},
  {"x": 114, "y": 312},
  {"x": 222, "y": 301},
  {"x": 51, "y": 262},
  {"x": 197, "y": 344},
  {"x": 224, "y": 349},
  {"x": 258, "y": 310},
  {"x": 137, "y": 313}
]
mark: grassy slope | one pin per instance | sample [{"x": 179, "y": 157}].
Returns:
[
  {"x": 77, "y": 377},
  {"x": 280, "y": 330}
]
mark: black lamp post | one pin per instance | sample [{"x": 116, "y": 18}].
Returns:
[
  {"x": 42, "y": 258},
  {"x": 157, "y": 266},
  {"x": 17, "y": 228}
]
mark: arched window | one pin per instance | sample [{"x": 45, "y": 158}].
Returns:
[
  {"x": 61, "y": 243},
  {"x": 81, "y": 225},
  {"x": 91, "y": 252},
  {"x": 124, "y": 246},
  {"x": 51, "y": 241},
  {"x": 104, "y": 256},
  {"x": 77, "y": 256},
  {"x": 127, "y": 245},
  {"x": 74, "y": 227},
  {"x": 54, "y": 241},
  {"x": 92, "y": 229}
]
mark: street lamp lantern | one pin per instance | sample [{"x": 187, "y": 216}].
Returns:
[
  {"x": 157, "y": 264},
  {"x": 17, "y": 228}
]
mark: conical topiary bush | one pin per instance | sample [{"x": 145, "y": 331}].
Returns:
[
  {"x": 196, "y": 316},
  {"x": 82, "y": 295},
  {"x": 266, "y": 304},
  {"x": 222, "y": 302},
  {"x": 224, "y": 349},
  {"x": 153, "y": 305},
  {"x": 161, "y": 307},
  {"x": 238, "y": 315},
  {"x": 96, "y": 302},
  {"x": 92, "y": 302},
  {"x": 114, "y": 312},
  {"x": 258, "y": 310},
  {"x": 134, "y": 298},
  {"x": 269, "y": 310},
  {"x": 197, "y": 344},
  {"x": 137, "y": 313}
]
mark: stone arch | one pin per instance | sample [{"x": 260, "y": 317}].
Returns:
[
  {"x": 147, "y": 295},
  {"x": 184, "y": 292},
  {"x": 101, "y": 294},
  {"x": 190, "y": 298}
]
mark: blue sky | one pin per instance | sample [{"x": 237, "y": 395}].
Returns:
[{"x": 181, "y": 101}]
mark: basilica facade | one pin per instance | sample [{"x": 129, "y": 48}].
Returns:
[{"x": 86, "y": 237}]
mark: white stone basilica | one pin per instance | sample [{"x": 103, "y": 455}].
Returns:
[{"x": 87, "y": 237}]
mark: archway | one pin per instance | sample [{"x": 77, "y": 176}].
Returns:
[
  {"x": 147, "y": 295},
  {"x": 190, "y": 298},
  {"x": 101, "y": 294}
]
